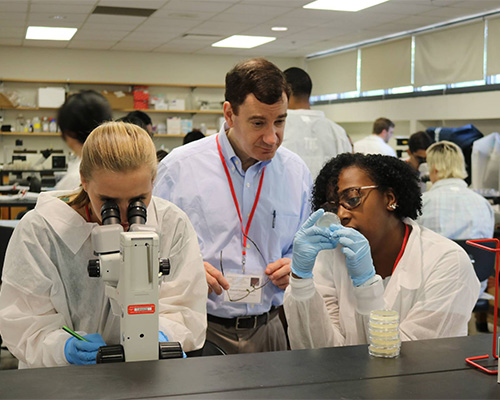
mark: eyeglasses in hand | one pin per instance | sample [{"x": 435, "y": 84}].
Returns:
[{"x": 254, "y": 287}]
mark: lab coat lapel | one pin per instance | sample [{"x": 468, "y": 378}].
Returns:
[
  {"x": 408, "y": 273},
  {"x": 67, "y": 223}
]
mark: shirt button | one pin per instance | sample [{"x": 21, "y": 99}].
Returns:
[
  {"x": 248, "y": 185},
  {"x": 248, "y": 246},
  {"x": 232, "y": 168}
]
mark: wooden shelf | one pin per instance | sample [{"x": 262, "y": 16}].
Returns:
[
  {"x": 30, "y": 134},
  {"x": 69, "y": 81},
  {"x": 159, "y": 135},
  {"x": 153, "y": 111}
]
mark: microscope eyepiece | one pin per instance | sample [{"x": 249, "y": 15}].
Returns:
[
  {"x": 136, "y": 213},
  {"x": 110, "y": 213}
]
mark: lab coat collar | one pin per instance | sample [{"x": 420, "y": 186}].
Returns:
[
  {"x": 408, "y": 273},
  {"x": 66, "y": 222}
]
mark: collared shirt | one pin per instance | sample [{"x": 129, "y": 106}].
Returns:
[
  {"x": 456, "y": 212},
  {"x": 314, "y": 138},
  {"x": 46, "y": 284},
  {"x": 373, "y": 144},
  {"x": 193, "y": 177}
]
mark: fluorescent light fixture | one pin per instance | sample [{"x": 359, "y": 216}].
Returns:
[
  {"x": 49, "y": 33},
  {"x": 279, "y": 28},
  {"x": 243, "y": 41},
  {"x": 343, "y": 5}
]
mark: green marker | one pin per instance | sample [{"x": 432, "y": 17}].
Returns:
[{"x": 74, "y": 334}]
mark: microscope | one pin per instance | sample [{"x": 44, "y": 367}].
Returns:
[{"x": 130, "y": 266}]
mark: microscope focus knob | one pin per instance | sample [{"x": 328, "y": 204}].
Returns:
[
  {"x": 164, "y": 266},
  {"x": 94, "y": 269}
]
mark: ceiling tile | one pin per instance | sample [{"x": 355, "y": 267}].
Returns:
[
  {"x": 13, "y": 6},
  {"x": 45, "y": 43},
  {"x": 134, "y": 46},
  {"x": 197, "y": 6},
  {"x": 179, "y": 44},
  {"x": 125, "y": 21},
  {"x": 58, "y": 8},
  {"x": 91, "y": 44},
  {"x": 155, "y": 4},
  {"x": 178, "y": 25},
  {"x": 227, "y": 29},
  {"x": 12, "y": 32},
  {"x": 100, "y": 33},
  {"x": 148, "y": 37},
  {"x": 11, "y": 42},
  {"x": 9, "y": 16}
]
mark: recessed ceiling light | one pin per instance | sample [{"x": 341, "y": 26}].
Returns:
[
  {"x": 243, "y": 41},
  {"x": 343, "y": 5},
  {"x": 58, "y": 17},
  {"x": 49, "y": 33},
  {"x": 279, "y": 28}
]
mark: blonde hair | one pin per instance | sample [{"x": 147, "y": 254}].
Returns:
[
  {"x": 447, "y": 159},
  {"x": 116, "y": 147}
]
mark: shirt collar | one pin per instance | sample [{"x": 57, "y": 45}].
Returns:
[
  {"x": 449, "y": 182},
  {"x": 229, "y": 154}
]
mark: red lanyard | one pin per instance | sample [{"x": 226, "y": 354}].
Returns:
[
  {"x": 87, "y": 211},
  {"x": 235, "y": 200},
  {"x": 405, "y": 241}
]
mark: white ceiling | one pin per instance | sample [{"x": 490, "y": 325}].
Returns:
[{"x": 207, "y": 21}]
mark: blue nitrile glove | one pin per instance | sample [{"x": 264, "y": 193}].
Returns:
[
  {"x": 358, "y": 258},
  {"x": 308, "y": 242},
  {"x": 79, "y": 352}
]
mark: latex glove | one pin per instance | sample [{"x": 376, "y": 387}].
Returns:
[
  {"x": 358, "y": 258},
  {"x": 308, "y": 242},
  {"x": 79, "y": 352}
]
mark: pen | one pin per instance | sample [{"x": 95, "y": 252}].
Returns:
[
  {"x": 74, "y": 334},
  {"x": 274, "y": 218}
]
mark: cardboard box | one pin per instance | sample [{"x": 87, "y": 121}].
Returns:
[
  {"x": 177, "y": 104},
  {"x": 119, "y": 100},
  {"x": 51, "y": 97},
  {"x": 174, "y": 125}
]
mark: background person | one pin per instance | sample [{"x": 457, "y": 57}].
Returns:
[
  {"x": 377, "y": 142},
  {"x": 45, "y": 283},
  {"x": 450, "y": 208},
  {"x": 386, "y": 261},
  {"x": 139, "y": 118},
  {"x": 308, "y": 132},
  {"x": 246, "y": 197},
  {"x": 80, "y": 114},
  {"x": 417, "y": 152},
  {"x": 195, "y": 134}
]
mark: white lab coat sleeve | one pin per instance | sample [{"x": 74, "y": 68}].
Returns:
[
  {"x": 310, "y": 324},
  {"x": 183, "y": 294},
  {"x": 31, "y": 329},
  {"x": 443, "y": 305},
  {"x": 32, "y": 310}
]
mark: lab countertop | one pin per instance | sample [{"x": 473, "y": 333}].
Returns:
[{"x": 425, "y": 369}]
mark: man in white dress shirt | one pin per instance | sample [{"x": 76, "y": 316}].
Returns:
[{"x": 376, "y": 143}]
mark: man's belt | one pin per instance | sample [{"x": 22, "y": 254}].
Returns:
[{"x": 246, "y": 322}]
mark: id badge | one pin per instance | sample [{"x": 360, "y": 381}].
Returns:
[{"x": 242, "y": 289}]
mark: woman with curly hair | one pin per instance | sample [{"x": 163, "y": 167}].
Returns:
[{"x": 377, "y": 257}]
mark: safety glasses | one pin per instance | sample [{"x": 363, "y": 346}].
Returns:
[{"x": 349, "y": 199}]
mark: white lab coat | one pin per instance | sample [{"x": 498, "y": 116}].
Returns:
[
  {"x": 434, "y": 289},
  {"x": 46, "y": 284},
  {"x": 373, "y": 144},
  {"x": 314, "y": 138},
  {"x": 71, "y": 180}
]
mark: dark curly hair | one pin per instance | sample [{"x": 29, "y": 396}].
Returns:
[{"x": 385, "y": 171}]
